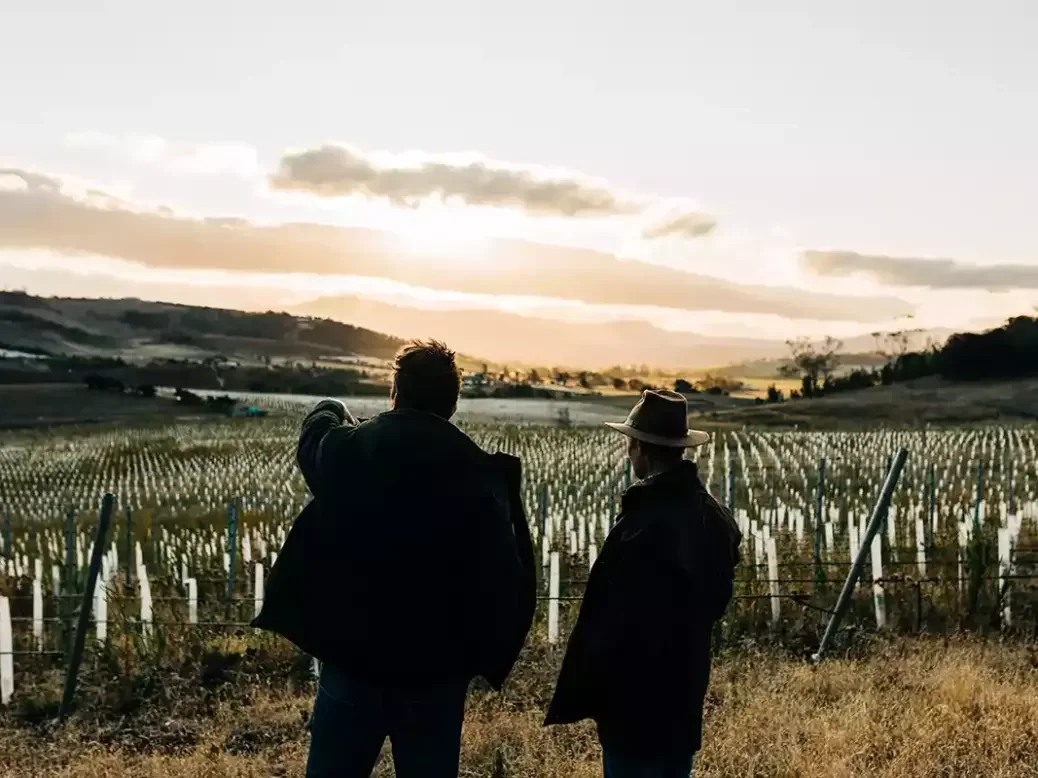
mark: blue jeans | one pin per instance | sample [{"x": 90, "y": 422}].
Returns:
[
  {"x": 352, "y": 719},
  {"x": 619, "y": 765}
]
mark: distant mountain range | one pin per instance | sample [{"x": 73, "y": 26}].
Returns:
[
  {"x": 509, "y": 337},
  {"x": 355, "y": 326}
]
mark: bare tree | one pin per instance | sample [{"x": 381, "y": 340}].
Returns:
[
  {"x": 892, "y": 346},
  {"x": 813, "y": 363},
  {"x": 877, "y": 338}
]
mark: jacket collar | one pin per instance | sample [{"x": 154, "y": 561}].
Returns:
[
  {"x": 678, "y": 478},
  {"x": 412, "y": 428}
]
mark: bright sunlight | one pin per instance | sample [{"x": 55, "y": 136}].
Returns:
[{"x": 439, "y": 231}]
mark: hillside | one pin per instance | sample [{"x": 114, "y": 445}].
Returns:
[
  {"x": 924, "y": 401},
  {"x": 353, "y": 327},
  {"x": 136, "y": 330},
  {"x": 768, "y": 369}
]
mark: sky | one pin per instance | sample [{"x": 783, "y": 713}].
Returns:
[{"x": 753, "y": 169}]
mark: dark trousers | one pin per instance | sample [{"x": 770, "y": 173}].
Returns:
[
  {"x": 352, "y": 719},
  {"x": 617, "y": 764}
]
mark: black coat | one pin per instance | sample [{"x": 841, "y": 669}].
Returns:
[
  {"x": 413, "y": 562},
  {"x": 638, "y": 661}
]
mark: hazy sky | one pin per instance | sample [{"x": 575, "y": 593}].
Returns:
[{"x": 832, "y": 147}]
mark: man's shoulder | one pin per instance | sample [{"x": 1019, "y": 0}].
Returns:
[
  {"x": 721, "y": 529},
  {"x": 507, "y": 464},
  {"x": 667, "y": 514},
  {"x": 336, "y": 443}
]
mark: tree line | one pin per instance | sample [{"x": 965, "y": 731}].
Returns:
[{"x": 1006, "y": 352}]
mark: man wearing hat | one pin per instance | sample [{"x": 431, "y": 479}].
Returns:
[{"x": 638, "y": 661}]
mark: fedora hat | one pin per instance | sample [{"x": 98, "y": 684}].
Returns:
[{"x": 661, "y": 418}]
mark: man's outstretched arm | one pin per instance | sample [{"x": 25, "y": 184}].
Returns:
[{"x": 326, "y": 416}]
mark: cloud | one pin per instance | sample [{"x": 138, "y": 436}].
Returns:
[
  {"x": 47, "y": 215},
  {"x": 10, "y": 182},
  {"x": 22, "y": 181},
  {"x": 336, "y": 171},
  {"x": 405, "y": 180},
  {"x": 201, "y": 159},
  {"x": 931, "y": 273},
  {"x": 683, "y": 225}
]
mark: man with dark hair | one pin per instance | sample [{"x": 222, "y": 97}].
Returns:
[
  {"x": 638, "y": 661},
  {"x": 426, "y": 378},
  {"x": 410, "y": 573}
]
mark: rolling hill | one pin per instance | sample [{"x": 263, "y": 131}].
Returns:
[{"x": 134, "y": 329}]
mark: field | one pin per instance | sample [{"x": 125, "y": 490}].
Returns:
[
  {"x": 912, "y": 403},
  {"x": 933, "y": 672},
  {"x": 31, "y": 405}
]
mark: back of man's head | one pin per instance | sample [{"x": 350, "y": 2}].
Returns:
[
  {"x": 662, "y": 456},
  {"x": 426, "y": 378}
]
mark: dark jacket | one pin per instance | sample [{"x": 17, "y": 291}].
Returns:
[
  {"x": 413, "y": 562},
  {"x": 638, "y": 661}
]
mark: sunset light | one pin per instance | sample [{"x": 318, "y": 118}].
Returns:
[
  {"x": 441, "y": 234},
  {"x": 550, "y": 389}
]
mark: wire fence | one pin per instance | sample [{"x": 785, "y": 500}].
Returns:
[{"x": 127, "y": 621}]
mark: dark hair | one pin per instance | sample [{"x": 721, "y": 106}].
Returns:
[
  {"x": 426, "y": 378},
  {"x": 661, "y": 455}
]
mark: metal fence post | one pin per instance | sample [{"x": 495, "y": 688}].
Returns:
[
  {"x": 154, "y": 543},
  {"x": 731, "y": 483},
  {"x": 819, "y": 521},
  {"x": 1009, "y": 485},
  {"x": 84, "y": 609},
  {"x": 890, "y": 461},
  {"x": 70, "y": 550},
  {"x": 232, "y": 547},
  {"x": 130, "y": 561},
  {"x": 879, "y": 512},
  {"x": 980, "y": 494},
  {"x": 544, "y": 507},
  {"x": 7, "y": 535},
  {"x": 69, "y": 589},
  {"x": 932, "y": 505}
]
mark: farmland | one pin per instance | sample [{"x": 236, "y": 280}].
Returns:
[{"x": 940, "y": 622}]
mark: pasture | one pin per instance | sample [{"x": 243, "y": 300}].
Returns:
[{"x": 940, "y": 621}]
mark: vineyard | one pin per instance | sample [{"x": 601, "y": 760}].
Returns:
[{"x": 201, "y": 511}]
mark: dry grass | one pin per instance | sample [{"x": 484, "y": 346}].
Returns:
[
  {"x": 914, "y": 403},
  {"x": 908, "y": 708}
]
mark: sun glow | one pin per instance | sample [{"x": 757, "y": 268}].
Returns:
[{"x": 442, "y": 232}]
